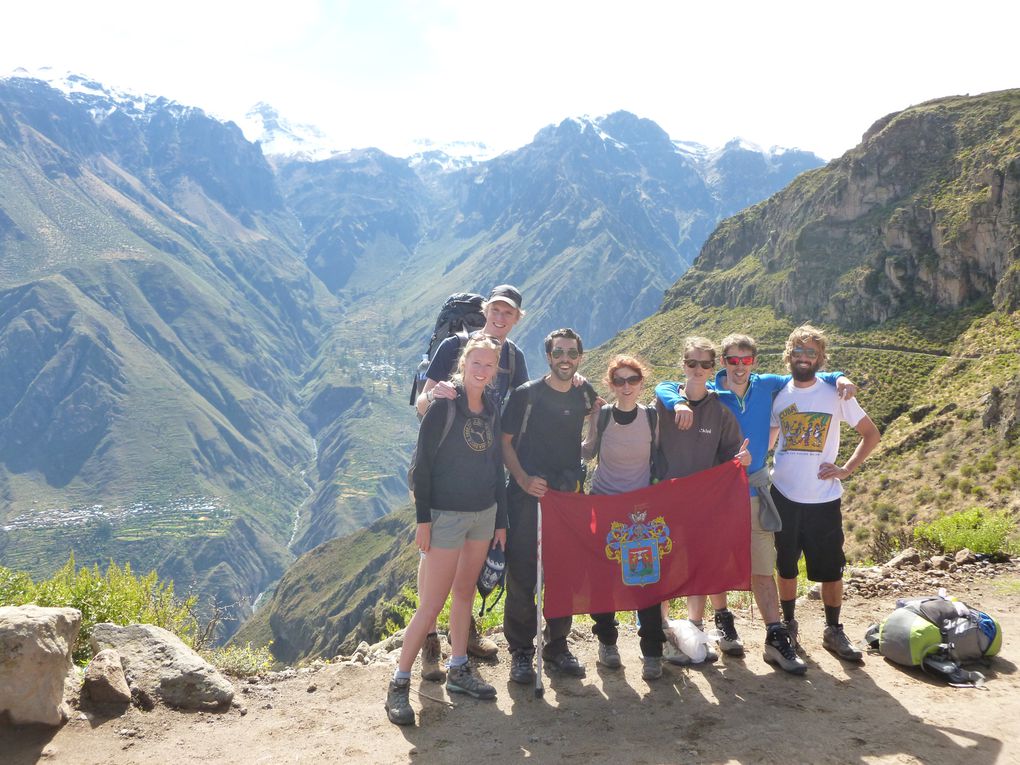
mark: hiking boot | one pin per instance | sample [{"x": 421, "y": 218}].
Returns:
[
  {"x": 522, "y": 670},
  {"x": 566, "y": 663},
  {"x": 730, "y": 643},
  {"x": 793, "y": 628},
  {"x": 674, "y": 655},
  {"x": 609, "y": 656},
  {"x": 462, "y": 679},
  {"x": 431, "y": 656},
  {"x": 398, "y": 705},
  {"x": 834, "y": 639},
  {"x": 651, "y": 667},
  {"x": 779, "y": 650},
  {"x": 479, "y": 645}
]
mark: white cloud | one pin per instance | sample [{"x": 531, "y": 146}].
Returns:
[{"x": 810, "y": 74}]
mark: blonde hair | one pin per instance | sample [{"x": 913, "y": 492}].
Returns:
[
  {"x": 476, "y": 343},
  {"x": 738, "y": 341},
  {"x": 804, "y": 333},
  {"x": 487, "y": 303},
  {"x": 695, "y": 343}
]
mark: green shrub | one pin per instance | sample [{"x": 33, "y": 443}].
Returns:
[
  {"x": 977, "y": 528},
  {"x": 15, "y": 588},
  {"x": 925, "y": 495},
  {"x": 118, "y": 596},
  {"x": 241, "y": 661},
  {"x": 952, "y": 482}
]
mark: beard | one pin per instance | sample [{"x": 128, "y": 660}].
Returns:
[{"x": 804, "y": 374}]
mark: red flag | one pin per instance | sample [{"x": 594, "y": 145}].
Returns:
[{"x": 623, "y": 552}]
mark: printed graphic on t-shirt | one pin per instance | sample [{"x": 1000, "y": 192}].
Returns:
[
  {"x": 804, "y": 431},
  {"x": 478, "y": 433}
]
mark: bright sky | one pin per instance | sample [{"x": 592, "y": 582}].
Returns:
[{"x": 796, "y": 73}]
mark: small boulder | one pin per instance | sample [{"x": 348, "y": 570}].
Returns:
[
  {"x": 940, "y": 562},
  {"x": 104, "y": 679},
  {"x": 35, "y": 660},
  {"x": 964, "y": 556},
  {"x": 908, "y": 557},
  {"x": 158, "y": 665}
]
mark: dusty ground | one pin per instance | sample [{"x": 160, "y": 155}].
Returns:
[{"x": 734, "y": 711}]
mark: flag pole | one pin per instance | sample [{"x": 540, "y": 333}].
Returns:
[{"x": 539, "y": 688}]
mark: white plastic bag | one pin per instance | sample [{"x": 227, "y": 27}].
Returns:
[{"x": 688, "y": 639}]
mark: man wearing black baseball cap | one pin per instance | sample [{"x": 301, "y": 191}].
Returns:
[{"x": 502, "y": 311}]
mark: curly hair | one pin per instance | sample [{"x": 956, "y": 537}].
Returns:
[{"x": 802, "y": 334}]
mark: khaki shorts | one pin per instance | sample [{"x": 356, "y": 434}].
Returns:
[
  {"x": 450, "y": 529},
  {"x": 763, "y": 546}
]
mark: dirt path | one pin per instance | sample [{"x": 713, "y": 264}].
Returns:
[{"x": 734, "y": 711}]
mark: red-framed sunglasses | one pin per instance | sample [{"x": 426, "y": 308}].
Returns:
[{"x": 738, "y": 360}]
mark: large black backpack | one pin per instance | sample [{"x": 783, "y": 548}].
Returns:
[{"x": 460, "y": 315}]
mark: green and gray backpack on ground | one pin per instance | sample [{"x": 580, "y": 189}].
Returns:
[{"x": 939, "y": 635}]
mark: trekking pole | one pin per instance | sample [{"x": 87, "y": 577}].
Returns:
[{"x": 539, "y": 688}]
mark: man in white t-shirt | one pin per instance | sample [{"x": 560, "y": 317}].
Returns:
[{"x": 806, "y": 416}]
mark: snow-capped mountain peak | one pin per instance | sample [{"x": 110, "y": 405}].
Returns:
[{"x": 280, "y": 137}]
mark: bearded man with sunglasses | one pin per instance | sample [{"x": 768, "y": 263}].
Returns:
[
  {"x": 806, "y": 486},
  {"x": 749, "y": 396},
  {"x": 542, "y": 428}
]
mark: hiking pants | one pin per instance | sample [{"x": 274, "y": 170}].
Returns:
[{"x": 519, "y": 611}]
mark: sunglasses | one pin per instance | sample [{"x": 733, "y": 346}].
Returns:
[
  {"x": 738, "y": 360},
  {"x": 557, "y": 353},
  {"x": 619, "y": 382},
  {"x": 691, "y": 364},
  {"x": 808, "y": 353}
]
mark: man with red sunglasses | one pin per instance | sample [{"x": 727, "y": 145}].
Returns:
[{"x": 749, "y": 396}]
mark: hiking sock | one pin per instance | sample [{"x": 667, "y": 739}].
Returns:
[
  {"x": 832, "y": 616},
  {"x": 789, "y": 606},
  {"x": 458, "y": 661},
  {"x": 398, "y": 675}
]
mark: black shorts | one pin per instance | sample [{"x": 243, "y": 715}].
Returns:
[{"x": 814, "y": 529}]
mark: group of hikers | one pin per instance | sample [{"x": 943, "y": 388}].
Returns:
[{"x": 483, "y": 418}]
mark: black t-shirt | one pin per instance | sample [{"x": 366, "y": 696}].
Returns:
[
  {"x": 465, "y": 472},
  {"x": 551, "y": 443},
  {"x": 444, "y": 364}
]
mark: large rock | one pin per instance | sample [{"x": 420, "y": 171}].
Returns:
[
  {"x": 105, "y": 682},
  {"x": 159, "y": 665},
  {"x": 35, "y": 659}
]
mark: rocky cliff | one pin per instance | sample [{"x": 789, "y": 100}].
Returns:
[{"x": 924, "y": 212}]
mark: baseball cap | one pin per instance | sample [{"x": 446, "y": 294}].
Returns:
[{"x": 508, "y": 294}]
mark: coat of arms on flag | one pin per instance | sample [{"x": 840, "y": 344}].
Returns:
[{"x": 638, "y": 547}]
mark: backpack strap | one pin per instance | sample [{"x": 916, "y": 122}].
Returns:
[
  {"x": 451, "y": 412},
  {"x": 600, "y": 426}
]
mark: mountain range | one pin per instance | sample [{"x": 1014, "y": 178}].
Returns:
[{"x": 204, "y": 352}]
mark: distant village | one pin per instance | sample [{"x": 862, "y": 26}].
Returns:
[{"x": 200, "y": 508}]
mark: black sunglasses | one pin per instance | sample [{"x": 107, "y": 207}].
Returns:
[
  {"x": 691, "y": 363},
  {"x": 619, "y": 382},
  {"x": 557, "y": 353}
]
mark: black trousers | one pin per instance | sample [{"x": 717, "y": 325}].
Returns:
[{"x": 520, "y": 612}]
